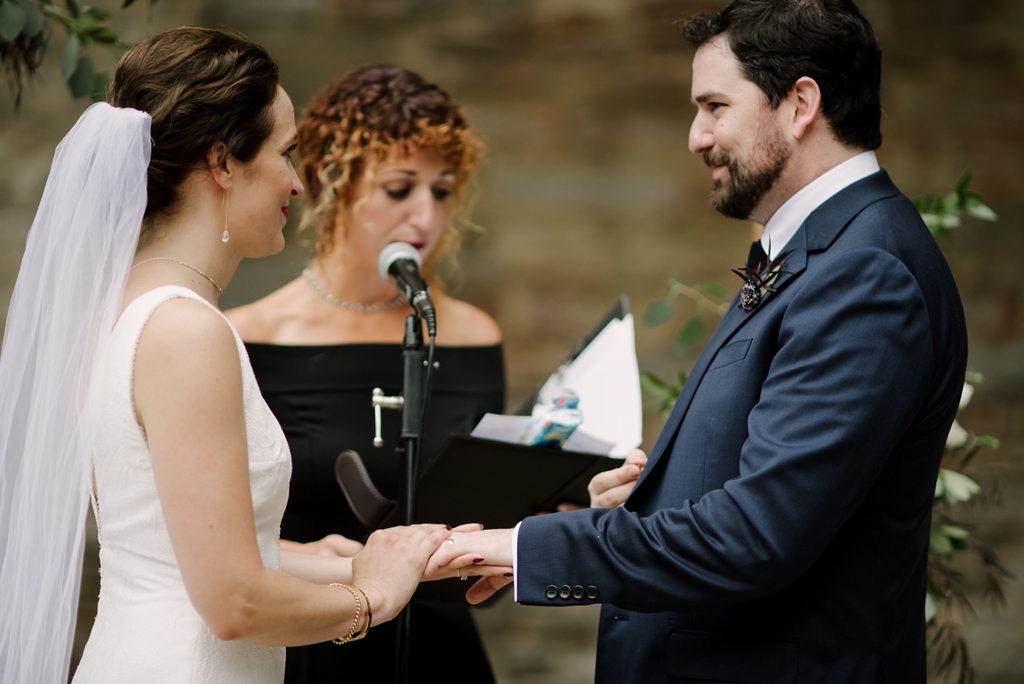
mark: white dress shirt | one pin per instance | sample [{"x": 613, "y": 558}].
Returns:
[
  {"x": 779, "y": 230},
  {"x": 784, "y": 223}
]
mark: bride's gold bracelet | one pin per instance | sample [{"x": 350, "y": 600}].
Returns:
[{"x": 360, "y": 598}]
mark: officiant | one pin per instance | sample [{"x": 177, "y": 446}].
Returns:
[{"x": 385, "y": 157}]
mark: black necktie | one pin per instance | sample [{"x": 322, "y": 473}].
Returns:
[{"x": 757, "y": 260}]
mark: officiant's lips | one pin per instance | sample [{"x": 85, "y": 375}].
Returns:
[{"x": 284, "y": 210}]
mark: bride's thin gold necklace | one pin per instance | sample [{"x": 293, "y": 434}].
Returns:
[{"x": 219, "y": 288}]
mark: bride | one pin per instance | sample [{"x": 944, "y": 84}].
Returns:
[{"x": 121, "y": 382}]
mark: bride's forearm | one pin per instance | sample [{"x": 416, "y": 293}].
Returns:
[
  {"x": 276, "y": 609},
  {"x": 316, "y": 569}
]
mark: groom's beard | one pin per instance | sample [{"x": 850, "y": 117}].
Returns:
[{"x": 746, "y": 185}]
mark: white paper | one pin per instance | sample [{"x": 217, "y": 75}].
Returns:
[
  {"x": 510, "y": 429},
  {"x": 606, "y": 378}
]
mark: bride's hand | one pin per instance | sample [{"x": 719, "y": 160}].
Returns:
[
  {"x": 468, "y": 564},
  {"x": 389, "y": 568}
]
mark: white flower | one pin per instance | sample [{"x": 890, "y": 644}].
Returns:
[
  {"x": 957, "y": 436},
  {"x": 965, "y": 396}
]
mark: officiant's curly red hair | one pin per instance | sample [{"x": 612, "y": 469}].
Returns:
[{"x": 364, "y": 118}]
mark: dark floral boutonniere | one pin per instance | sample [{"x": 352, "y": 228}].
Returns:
[{"x": 755, "y": 285}]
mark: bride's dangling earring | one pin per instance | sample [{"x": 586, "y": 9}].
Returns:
[{"x": 224, "y": 236}]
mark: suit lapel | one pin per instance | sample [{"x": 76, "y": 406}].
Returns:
[
  {"x": 734, "y": 319},
  {"x": 816, "y": 234}
]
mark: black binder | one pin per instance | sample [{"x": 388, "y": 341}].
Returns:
[{"x": 497, "y": 484}]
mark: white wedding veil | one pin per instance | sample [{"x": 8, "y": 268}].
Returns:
[{"x": 65, "y": 303}]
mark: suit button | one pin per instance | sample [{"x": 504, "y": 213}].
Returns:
[
  {"x": 551, "y": 592},
  {"x": 564, "y": 591},
  {"x": 591, "y": 592},
  {"x": 577, "y": 592}
]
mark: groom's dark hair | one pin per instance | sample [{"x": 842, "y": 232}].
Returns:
[{"x": 779, "y": 41}]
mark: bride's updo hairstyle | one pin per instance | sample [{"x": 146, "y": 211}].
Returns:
[
  {"x": 200, "y": 86},
  {"x": 362, "y": 119}
]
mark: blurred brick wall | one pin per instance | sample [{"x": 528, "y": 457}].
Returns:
[{"x": 588, "y": 189}]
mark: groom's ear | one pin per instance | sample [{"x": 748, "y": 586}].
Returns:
[{"x": 803, "y": 107}]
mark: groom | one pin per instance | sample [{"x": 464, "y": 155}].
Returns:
[{"x": 779, "y": 531}]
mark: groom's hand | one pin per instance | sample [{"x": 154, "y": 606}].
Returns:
[
  {"x": 481, "y": 548},
  {"x": 484, "y": 551},
  {"x": 612, "y": 487}
]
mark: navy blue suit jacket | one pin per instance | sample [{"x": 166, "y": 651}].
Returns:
[{"x": 779, "y": 532}]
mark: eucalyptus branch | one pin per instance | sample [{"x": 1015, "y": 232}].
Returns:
[{"x": 702, "y": 300}]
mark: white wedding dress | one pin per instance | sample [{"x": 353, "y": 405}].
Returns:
[{"x": 146, "y": 629}]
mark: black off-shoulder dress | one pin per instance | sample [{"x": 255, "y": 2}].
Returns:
[{"x": 321, "y": 396}]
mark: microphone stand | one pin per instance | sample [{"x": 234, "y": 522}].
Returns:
[{"x": 414, "y": 368}]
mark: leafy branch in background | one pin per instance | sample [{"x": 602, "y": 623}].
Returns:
[
  {"x": 943, "y": 213},
  {"x": 947, "y": 607},
  {"x": 707, "y": 297},
  {"x": 26, "y": 33}
]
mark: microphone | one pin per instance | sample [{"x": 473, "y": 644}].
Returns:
[{"x": 401, "y": 261}]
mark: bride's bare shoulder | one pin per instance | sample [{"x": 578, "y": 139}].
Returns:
[
  {"x": 183, "y": 331},
  {"x": 263, "y": 320}
]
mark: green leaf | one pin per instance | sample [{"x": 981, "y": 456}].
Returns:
[
  {"x": 12, "y": 21},
  {"x": 97, "y": 13},
  {"x": 988, "y": 440},
  {"x": 104, "y": 34},
  {"x": 950, "y": 221},
  {"x": 954, "y": 531},
  {"x": 958, "y": 487},
  {"x": 84, "y": 22},
  {"x": 33, "y": 20},
  {"x": 976, "y": 208},
  {"x": 99, "y": 87},
  {"x": 965, "y": 180},
  {"x": 690, "y": 334},
  {"x": 974, "y": 377},
  {"x": 657, "y": 312},
  {"x": 73, "y": 8},
  {"x": 127, "y": 3},
  {"x": 939, "y": 543},
  {"x": 664, "y": 394},
  {"x": 652, "y": 383},
  {"x": 951, "y": 202},
  {"x": 930, "y": 609},
  {"x": 69, "y": 58},
  {"x": 713, "y": 289},
  {"x": 931, "y": 220},
  {"x": 82, "y": 81}
]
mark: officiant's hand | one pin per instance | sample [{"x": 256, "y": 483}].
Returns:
[
  {"x": 389, "y": 568},
  {"x": 331, "y": 545},
  {"x": 612, "y": 487}
]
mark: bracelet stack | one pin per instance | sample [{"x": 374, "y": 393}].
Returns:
[{"x": 361, "y": 601}]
